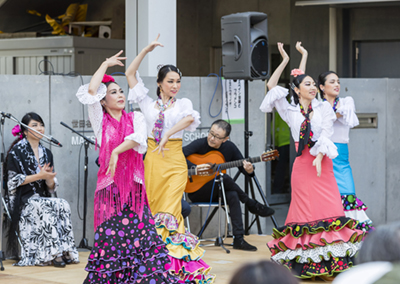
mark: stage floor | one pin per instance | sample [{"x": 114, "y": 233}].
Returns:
[{"x": 223, "y": 265}]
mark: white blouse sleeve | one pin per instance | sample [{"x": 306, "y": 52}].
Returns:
[
  {"x": 324, "y": 145},
  {"x": 140, "y": 133},
  {"x": 186, "y": 108},
  {"x": 276, "y": 97},
  {"x": 95, "y": 110},
  {"x": 348, "y": 111},
  {"x": 138, "y": 94}
]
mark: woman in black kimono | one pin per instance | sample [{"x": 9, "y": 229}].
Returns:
[{"x": 44, "y": 223}]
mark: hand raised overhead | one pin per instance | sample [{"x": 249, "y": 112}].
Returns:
[
  {"x": 115, "y": 59},
  {"x": 154, "y": 44},
  {"x": 300, "y": 48},
  {"x": 282, "y": 51}
]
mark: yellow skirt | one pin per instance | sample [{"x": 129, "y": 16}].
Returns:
[{"x": 165, "y": 179}]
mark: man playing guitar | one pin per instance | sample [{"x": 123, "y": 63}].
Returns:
[{"x": 217, "y": 140}]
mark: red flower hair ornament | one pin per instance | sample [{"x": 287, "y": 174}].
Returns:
[
  {"x": 17, "y": 130},
  {"x": 296, "y": 72},
  {"x": 107, "y": 78}
]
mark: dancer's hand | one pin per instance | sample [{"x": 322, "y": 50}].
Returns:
[
  {"x": 153, "y": 44},
  {"x": 317, "y": 163},
  {"x": 300, "y": 48},
  {"x": 115, "y": 60},
  {"x": 282, "y": 51},
  {"x": 112, "y": 165},
  {"x": 161, "y": 147}
]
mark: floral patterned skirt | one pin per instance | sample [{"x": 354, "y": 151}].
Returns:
[
  {"x": 46, "y": 231},
  {"x": 128, "y": 250}
]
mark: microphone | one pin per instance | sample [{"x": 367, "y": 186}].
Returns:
[
  {"x": 8, "y": 115},
  {"x": 55, "y": 141}
]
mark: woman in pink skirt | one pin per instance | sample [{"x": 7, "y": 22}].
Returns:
[{"x": 317, "y": 239}]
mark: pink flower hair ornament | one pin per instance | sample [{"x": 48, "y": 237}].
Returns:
[
  {"x": 296, "y": 72},
  {"x": 107, "y": 78},
  {"x": 17, "y": 130}
]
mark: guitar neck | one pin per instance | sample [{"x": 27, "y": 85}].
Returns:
[
  {"x": 238, "y": 163},
  {"x": 228, "y": 165}
]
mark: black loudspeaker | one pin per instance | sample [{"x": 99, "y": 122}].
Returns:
[{"x": 245, "y": 46}]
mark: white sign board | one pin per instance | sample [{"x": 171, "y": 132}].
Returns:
[{"x": 233, "y": 101}]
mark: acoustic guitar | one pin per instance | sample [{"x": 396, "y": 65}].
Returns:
[{"x": 198, "y": 178}]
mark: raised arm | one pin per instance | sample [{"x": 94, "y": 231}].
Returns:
[
  {"x": 134, "y": 66},
  {"x": 99, "y": 74},
  {"x": 304, "y": 56},
  {"x": 274, "y": 79}
]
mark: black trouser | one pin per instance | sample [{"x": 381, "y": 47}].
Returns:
[{"x": 233, "y": 195}]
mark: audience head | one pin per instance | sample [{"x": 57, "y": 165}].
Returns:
[
  {"x": 263, "y": 272},
  {"x": 383, "y": 244}
]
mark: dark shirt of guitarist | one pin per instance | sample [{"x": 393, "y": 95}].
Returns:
[{"x": 217, "y": 140}]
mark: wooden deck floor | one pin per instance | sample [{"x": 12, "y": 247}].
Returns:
[{"x": 223, "y": 266}]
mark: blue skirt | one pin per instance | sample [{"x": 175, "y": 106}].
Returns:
[{"x": 342, "y": 170}]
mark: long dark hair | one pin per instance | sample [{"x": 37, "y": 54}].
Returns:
[
  {"x": 322, "y": 80},
  {"x": 296, "y": 83},
  {"x": 25, "y": 120},
  {"x": 163, "y": 71}
]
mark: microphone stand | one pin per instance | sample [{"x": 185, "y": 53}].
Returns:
[
  {"x": 87, "y": 141},
  {"x": 49, "y": 138},
  {"x": 3, "y": 150}
]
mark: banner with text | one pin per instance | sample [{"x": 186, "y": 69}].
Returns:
[{"x": 233, "y": 101}]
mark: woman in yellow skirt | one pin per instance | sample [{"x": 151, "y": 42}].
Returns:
[{"x": 165, "y": 165}]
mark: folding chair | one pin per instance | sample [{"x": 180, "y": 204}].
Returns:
[{"x": 217, "y": 207}]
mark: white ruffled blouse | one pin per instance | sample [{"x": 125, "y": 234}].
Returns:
[
  {"x": 95, "y": 111},
  {"x": 321, "y": 121},
  {"x": 348, "y": 120},
  {"x": 182, "y": 108}
]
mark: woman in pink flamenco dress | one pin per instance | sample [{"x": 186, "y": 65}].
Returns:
[
  {"x": 317, "y": 239},
  {"x": 127, "y": 248}
]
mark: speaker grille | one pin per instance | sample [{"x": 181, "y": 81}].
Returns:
[{"x": 259, "y": 58}]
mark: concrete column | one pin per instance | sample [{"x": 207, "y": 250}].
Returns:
[
  {"x": 144, "y": 20},
  {"x": 332, "y": 40}
]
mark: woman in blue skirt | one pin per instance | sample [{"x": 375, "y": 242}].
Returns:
[{"x": 329, "y": 88}]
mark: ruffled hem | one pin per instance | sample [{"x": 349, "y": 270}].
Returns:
[
  {"x": 297, "y": 230},
  {"x": 339, "y": 249},
  {"x": 324, "y": 146},
  {"x": 127, "y": 249},
  {"x": 326, "y": 267},
  {"x": 197, "y": 271},
  {"x": 87, "y": 99},
  {"x": 355, "y": 209},
  {"x": 310, "y": 241},
  {"x": 351, "y": 202},
  {"x": 275, "y": 94},
  {"x": 138, "y": 92},
  {"x": 184, "y": 251}
]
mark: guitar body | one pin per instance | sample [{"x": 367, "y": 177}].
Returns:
[{"x": 213, "y": 157}]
